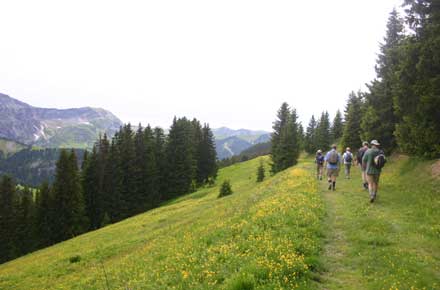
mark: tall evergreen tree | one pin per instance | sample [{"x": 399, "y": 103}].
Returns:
[
  {"x": 323, "y": 137},
  {"x": 379, "y": 120},
  {"x": 68, "y": 201},
  {"x": 353, "y": 115},
  {"x": 310, "y": 137},
  {"x": 337, "y": 128},
  {"x": 7, "y": 219},
  {"x": 285, "y": 141},
  {"x": 161, "y": 162},
  {"x": 207, "y": 162},
  {"x": 44, "y": 216},
  {"x": 417, "y": 100},
  {"x": 25, "y": 241},
  {"x": 180, "y": 159}
]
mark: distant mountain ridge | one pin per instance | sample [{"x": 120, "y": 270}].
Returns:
[
  {"x": 78, "y": 127},
  {"x": 231, "y": 142}
]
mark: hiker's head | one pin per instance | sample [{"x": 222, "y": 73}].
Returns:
[
  {"x": 348, "y": 149},
  {"x": 375, "y": 143},
  {"x": 334, "y": 146},
  {"x": 365, "y": 143},
  {"x": 319, "y": 151}
]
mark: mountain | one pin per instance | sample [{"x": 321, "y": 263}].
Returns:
[
  {"x": 248, "y": 135},
  {"x": 230, "y": 142},
  {"x": 230, "y": 146},
  {"x": 9, "y": 147},
  {"x": 43, "y": 127}
]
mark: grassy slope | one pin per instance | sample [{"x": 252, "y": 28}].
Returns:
[
  {"x": 264, "y": 235},
  {"x": 391, "y": 244}
]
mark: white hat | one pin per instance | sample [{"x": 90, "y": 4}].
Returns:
[
  {"x": 319, "y": 151},
  {"x": 375, "y": 142}
]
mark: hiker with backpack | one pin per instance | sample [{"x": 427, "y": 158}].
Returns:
[
  {"x": 373, "y": 162},
  {"x": 347, "y": 157},
  {"x": 319, "y": 160},
  {"x": 359, "y": 157},
  {"x": 332, "y": 162}
]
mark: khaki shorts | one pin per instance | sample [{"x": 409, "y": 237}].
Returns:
[
  {"x": 332, "y": 172},
  {"x": 373, "y": 178}
]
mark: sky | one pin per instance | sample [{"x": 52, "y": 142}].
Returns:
[{"x": 227, "y": 63}]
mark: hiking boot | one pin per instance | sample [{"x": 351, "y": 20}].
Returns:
[{"x": 329, "y": 187}]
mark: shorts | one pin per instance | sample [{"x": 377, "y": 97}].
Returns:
[
  {"x": 332, "y": 172},
  {"x": 373, "y": 178}
]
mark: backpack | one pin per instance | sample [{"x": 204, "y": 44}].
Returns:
[
  {"x": 360, "y": 154},
  {"x": 320, "y": 159},
  {"x": 348, "y": 157},
  {"x": 380, "y": 160},
  {"x": 333, "y": 157}
]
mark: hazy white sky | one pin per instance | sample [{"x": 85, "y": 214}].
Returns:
[{"x": 229, "y": 63}]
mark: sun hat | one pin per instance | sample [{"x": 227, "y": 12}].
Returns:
[
  {"x": 365, "y": 143},
  {"x": 319, "y": 151},
  {"x": 375, "y": 142},
  {"x": 348, "y": 149}
]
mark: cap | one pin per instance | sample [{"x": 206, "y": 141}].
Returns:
[{"x": 375, "y": 142}]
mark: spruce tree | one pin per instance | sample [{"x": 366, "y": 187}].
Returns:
[
  {"x": 323, "y": 136},
  {"x": 70, "y": 218},
  {"x": 379, "y": 120},
  {"x": 285, "y": 139},
  {"x": 8, "y": 250},
  {"x": 337, "y": 128},
  {"x": 44, "y": 217},
  {"x": 417, "y": 100},
  {"x": 260, "y": 172},
  {"x": 207, "y": 162},
  {"x": 353, "y": 115},
  {"x": 310, "y": 137},
  {"x": 25, "y": 225}
]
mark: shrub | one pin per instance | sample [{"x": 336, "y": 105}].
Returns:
[
  {"x": 75, "y": 259},
  {"x": 260, "y": 172},
  {"x": 225, "y": 189}
]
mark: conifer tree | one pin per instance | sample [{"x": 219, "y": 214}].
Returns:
[
  {"x": 323, "y": 137},
  {"x": 260, "y": 172},
  {"x": 337, "y": 128},
  {"x": 379, "y": 120},
  {"x": 310, "y": 137},
  {"x": 70, "y": 218},
  {"x": 207, "y": 162},
  {"x": 44, "y": 216},
  {"x": 285, "y": 141},
  {"x": 25, "y": 241},
  {"x": 353, "y": 115},
  {"x": 159, "y": 153},
  {"x": 7, "y": 219}
]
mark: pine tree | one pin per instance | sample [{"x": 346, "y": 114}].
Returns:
[
  {"x": 310, "y": 137},
  {"x": 353, "y": 115},
  {"x": 44, "y": 216},
  {"x": 180, "y": 159},
  {"x": 68, "y": 201},
  {"x": 207, "y": 162},
  {"x": 90, "y": 189},
  {"x": 8, "y": 250},
  {"x": 25, "y": 241},
  {"x": 337, "y": 128},
  {"x": 323, "y": 137},
  {"x": 379, "y": 120},
  {"x": 417, "y": 101},
  {"x": 159, "y": 154},
  {"x": 285, "y": 139}
]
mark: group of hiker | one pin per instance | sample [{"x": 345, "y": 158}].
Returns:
[{"x": 370, "y": 159}]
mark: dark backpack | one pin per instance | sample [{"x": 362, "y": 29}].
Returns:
[
  {"x": 380, "y": 160},
  {"x": 348, "y": 157},
  {"x": 319, "y": 159},
  {"x": 333, "y": 157},
  {"x": 360, "y": 154}
]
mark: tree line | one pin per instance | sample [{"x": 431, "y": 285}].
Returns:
[
  {"x": 401, "y": 107},
  {"x": 132, "y": 172}
]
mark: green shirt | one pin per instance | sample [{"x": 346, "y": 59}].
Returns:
[{"x": 368, "y": 161}]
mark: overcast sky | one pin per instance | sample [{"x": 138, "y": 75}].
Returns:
[{"x": 229, "y": 63}]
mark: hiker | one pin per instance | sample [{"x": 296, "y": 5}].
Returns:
[
  {"x": 319, "y": 160},
  {"x": 372, "y": 162},
  {"x": 359, "y": 156},
  {"x": 332, "y": 162},
  {"x": 347, "y": 157}
]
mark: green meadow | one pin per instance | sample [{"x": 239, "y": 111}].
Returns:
[{"x": 288, "y": 232}]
